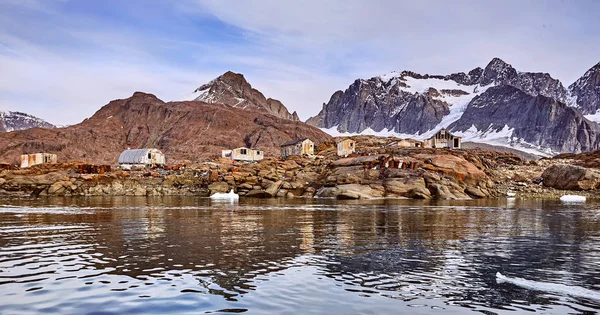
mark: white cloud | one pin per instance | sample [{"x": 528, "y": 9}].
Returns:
[{"x": 64, "y": 67}]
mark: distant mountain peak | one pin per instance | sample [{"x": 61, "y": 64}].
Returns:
[
  {"x": 232, "y": 89},
  {"x": 12, "y": 120}
]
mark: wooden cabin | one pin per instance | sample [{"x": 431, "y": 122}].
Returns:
[
  {"x": 243, "y": 154},
  {"x": 408, "y": 143},
  {"x": 141, "y": 158},
  {"x": 28, "y": 160},
  {"x": 297, "y": 147},
  {"x": 443, "y": 139},
  {"x": 346, "y": 147}
]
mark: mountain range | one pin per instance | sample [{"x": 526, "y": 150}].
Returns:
[{"x": 496, "y": 104}]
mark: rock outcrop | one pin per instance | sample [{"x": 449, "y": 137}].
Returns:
[
  {"x": 571, "y": 177},
  {"x": 233, "y": 90},
  {"x": 535, "y": 120}
]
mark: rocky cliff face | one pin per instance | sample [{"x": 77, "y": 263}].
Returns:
[
  {"x": 190, "y": 130},
  {"x": 10, "y": 121},
  {"x": 585, "y": 92},
  {"x": 233, "y": 90},
  {"x": 414, "y": 104},
  {"x": 526, "y": 119}
]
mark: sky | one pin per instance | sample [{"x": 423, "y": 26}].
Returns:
[{"x": 62, "y": 60}]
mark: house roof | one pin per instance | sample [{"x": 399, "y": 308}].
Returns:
[{"x": 292, "y": 142}]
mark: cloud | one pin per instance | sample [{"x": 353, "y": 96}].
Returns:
[{"x": 62, "y": 60}]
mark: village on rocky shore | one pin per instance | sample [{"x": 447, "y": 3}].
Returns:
[{"x": 379, "y": 168}]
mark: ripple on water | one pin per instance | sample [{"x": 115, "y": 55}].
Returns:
[{"x": 352, "y": 259}]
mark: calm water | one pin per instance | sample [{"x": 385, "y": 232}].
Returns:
[{"x": 186, "y": 255}]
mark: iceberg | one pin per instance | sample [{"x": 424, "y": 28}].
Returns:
[
  {"x": 225, "y": 196},
  {"x": 572, "y": 198}
]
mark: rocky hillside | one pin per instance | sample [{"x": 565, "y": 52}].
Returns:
[
  {"x": 408, "y": 103},
  {"x": 10, "y": 121},
  {"x": 233, "y": 90},
  {"x": 189, "y": 130}
]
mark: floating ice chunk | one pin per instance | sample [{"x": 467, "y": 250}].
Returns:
[
  {"x": 572, "y": 198},
  {"x": 226, "y": 196},
  {"x": 574, "y": 291},
  {"x": 510, "y": 194}
]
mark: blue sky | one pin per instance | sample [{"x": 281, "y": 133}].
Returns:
[{"x": 62, "y": 60}]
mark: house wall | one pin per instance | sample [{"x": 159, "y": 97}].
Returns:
[
  {"x": 443, "y": 141},
  {"x": 29, "y": 160},
  {"x": 346, "y": 147},
  {"x": 305, "y": 147},
  {"x": 308, "y": 147},
  {"x": 251, "y": 154}
]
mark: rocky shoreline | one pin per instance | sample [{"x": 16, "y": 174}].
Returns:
[{"x": 378, "y": 171}]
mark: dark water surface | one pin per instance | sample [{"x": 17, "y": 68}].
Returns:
[{"x": 186, "y": 255}]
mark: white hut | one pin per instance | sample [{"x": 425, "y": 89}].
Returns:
[
  {"x": 243, "y": 154},
  {"x": 141, "y": 158}
]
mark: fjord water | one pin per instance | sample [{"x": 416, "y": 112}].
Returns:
[{"x": 191, "y": 255}]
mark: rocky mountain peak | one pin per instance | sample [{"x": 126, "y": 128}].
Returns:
[
  {"x": 497, "y": 71},
  {"x": 11, "y": 121},
  {"x": 233, "y": 90},
  {"x": 585, "y": 92}
]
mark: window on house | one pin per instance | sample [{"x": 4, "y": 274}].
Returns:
[
  {"x": 149, "y": 155},
  {"x": 258, "y": 152},
  {"x": 243, "y": 151}
]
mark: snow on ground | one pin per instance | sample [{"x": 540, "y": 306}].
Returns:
[
  {"x": 503, "y": 138},
  {"x": 593, "y": 117}
]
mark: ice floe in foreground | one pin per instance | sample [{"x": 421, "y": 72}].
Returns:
[
  {"x": 226, "y": 196},
  {"x": 572, "y": 198},
  {"x": 574, "y": 291}
]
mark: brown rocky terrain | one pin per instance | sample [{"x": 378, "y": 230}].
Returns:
[
  {"x": 190, "y": 130},
  {"x": 233, "y": 90},
  {"x": 377, "y": 170}
]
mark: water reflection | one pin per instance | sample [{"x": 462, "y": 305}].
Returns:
[{"x": 188, "y": 255}]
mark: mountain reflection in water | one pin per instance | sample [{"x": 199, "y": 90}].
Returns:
[{"x": 186, "y": 255}]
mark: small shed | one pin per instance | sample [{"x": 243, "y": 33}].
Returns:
[
  {"x": 409, "y": 143},
  {"x": 28, "y": 160},
  {"x": 346, "y": 147},
  {"x": 243, "y": 154},
  {"x": 142, "y": 158},
  {"x": 443, "y": 139},
  {"x": 303, "y": 146}
]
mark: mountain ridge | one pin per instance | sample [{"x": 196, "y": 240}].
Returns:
[{"x": 411, "y": 104}]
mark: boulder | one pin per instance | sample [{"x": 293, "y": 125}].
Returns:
[
  {"x": 274, "y": 188},
  {"x": 218, "y": 187},
  {"x": 350, "y": 191},
  {"x": 258, "y": 193},
  {"x": 570, "y": 177},
  {"x": 402, "y": 186}
]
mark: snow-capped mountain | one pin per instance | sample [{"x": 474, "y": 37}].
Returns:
[
  {"x": 497, "y": 105},
  {"x": 10, "y": 121},
  {"x": 233, "y": 90}
]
